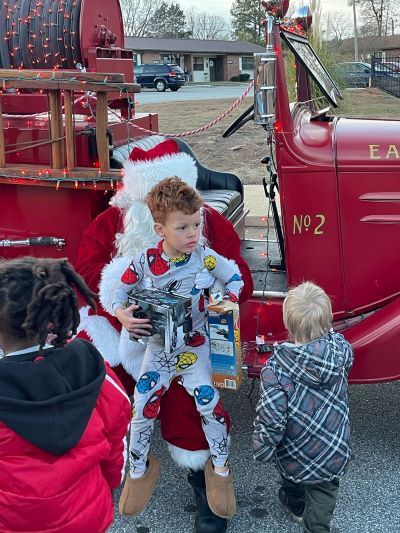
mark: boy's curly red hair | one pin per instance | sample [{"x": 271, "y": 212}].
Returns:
[{"x": 172, "y": 194}]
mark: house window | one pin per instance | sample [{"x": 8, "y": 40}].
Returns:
[
  {"x": 137, "y": 59},
  {"x": 198, "y": 63},
  {"x": 247, "y": 63}
]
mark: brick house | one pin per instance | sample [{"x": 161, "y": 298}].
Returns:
[
  {"x": 202, "y": 60},
  {"x": 385, "y": 47}
]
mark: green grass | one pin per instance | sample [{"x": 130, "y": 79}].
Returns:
[{"x": 368, "y": 103}]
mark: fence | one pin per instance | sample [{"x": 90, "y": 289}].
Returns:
[{"x": 385, "y": 75}]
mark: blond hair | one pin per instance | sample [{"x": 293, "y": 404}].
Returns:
[{"x": 307, "y": 312}]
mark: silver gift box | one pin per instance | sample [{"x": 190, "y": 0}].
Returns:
[{"x": 169, "y": 314}]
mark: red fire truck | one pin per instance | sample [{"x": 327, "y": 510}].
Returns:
[{"x": 64, "y": 135}]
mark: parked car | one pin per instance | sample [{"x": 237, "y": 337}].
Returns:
[
  {"x": 358, "y": 74},
  {"x": 395, "y": 65},
  {"x": 354, "y": 74},
  {"x": 160, "y": 76}
]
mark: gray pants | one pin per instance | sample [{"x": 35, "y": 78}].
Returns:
[
  {"x": 192, "y": 365},
  {"x": 316, "y": 502}
]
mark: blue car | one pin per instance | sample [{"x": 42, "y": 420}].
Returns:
[
  {"x": 358, "y": 74},
  {"x": 160, "y": 76}
]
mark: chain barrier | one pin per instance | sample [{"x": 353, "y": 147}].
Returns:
[{"x": 197, "y": 130}]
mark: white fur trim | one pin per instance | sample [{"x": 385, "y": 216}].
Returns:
[
  {"x": 141, "y": 176},
  {"x": 131, "y": 353},
  {"x": 195, "y": 460},
  {"x": 116, "y": 348},
  {"x": 103, "y": 335},
  {"x": 110, "y": 277}
]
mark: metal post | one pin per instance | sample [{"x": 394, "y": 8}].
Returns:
[{"x": 355, "y": 32}]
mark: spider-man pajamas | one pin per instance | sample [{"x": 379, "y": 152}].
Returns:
[{"x": 189, "y": 363}]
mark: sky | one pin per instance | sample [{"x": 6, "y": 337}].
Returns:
[{"x": 222, "y": 7}]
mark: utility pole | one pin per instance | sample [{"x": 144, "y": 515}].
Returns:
[{"x": 355, "y": 32}]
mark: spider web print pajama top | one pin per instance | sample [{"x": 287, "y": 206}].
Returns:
[{"x": 190, "y": 363}]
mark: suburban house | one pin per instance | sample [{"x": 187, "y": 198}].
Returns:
[
  {"x": 383, "y": 47},
  {"x": 202, "y": 60}
]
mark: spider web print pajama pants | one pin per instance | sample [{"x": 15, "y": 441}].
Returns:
[{"x": 192, "y": 367}]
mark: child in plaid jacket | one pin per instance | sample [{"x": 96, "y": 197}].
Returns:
[{"x": 303, "y": 414}]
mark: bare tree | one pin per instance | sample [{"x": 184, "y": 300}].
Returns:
[
  {"x": 202, "y": 25},
  {"x": 137, "y": 15},
  {"x": 338, "y": 27},
  {"x": 377, "y": 15}
]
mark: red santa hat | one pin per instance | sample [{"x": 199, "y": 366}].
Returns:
[{"x": 146, "y": 168}]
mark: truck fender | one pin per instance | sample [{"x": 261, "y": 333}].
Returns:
[{"x": 376, "y": 344}]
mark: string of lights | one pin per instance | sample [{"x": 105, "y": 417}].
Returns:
[
  {"x": 40, "y": 33},
  {"x": 45, "y": 174},
  {"x": 102, "y": 183}
]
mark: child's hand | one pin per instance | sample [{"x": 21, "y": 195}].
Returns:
[
  {"x": 204, "y": 279},
  {"x": 137, "y": 327}
]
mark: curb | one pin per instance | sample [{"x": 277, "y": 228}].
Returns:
[{"x": 216, "y": 84}]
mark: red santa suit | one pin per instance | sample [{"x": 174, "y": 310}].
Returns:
[{"x": 122, "y": 230}]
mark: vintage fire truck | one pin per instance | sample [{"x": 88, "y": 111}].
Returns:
[{"x": 65, "y": 132}]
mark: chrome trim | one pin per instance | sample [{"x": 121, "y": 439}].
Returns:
[
  {"x": 269, "y": 294},
  {"x": 238, "y": 215},
  {"x": 392, "y": 196},
  {"x": 260, "y": 240}
]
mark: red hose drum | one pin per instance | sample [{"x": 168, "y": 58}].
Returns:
[{"x": 41, "y": 34}]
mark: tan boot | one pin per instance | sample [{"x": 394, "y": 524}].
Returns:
[
  {"x": 137, "y": 492},
  {"x": 220, "y": 492}
]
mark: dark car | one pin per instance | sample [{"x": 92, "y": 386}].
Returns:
[
  {"x": 358, "y": 74},
  {"x": 354, "y": 74},
  {"x": 160, "y": 76}
]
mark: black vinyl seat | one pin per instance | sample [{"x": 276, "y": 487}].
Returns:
[{"x": 221, "y": 190}]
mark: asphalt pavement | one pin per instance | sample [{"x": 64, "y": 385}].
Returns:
[
  {"x": 369, "y": 495},
  {"x": 192, "y": 92}
]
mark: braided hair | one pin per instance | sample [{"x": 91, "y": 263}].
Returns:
[{"x": 38, "y": 298}]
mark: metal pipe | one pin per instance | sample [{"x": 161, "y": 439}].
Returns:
[
  {"x": 269, "y": 32},
  {"x": 355, "y": 32},
  {"x": 33, "y": 241}
]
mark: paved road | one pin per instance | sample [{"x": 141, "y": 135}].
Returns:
[
  {"x": 368, "y": 499},
  {"x": 191, "y": 92}
]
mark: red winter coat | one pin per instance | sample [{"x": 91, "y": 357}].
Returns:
[{"x": 63, "y": 422}]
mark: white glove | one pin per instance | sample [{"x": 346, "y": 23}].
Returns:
[{"x": 204, "y": 280}]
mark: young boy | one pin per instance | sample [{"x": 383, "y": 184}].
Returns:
[
  {"x": 303, "y": 413},
  {"x": 173, "y": 265}
]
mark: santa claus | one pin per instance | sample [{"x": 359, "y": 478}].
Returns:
[{"x": 117, "y": 235}]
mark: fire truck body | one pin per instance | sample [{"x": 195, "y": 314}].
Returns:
[
  {"x": 340, "y": 201},
  {"x": 68, "y": 38}
]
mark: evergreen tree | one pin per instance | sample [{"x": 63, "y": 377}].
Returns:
[
  {"x": 169, "y": 21},
  {"x": 246, "y": 20}
]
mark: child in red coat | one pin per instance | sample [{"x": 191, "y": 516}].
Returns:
[{"x": 63, "y": 414}]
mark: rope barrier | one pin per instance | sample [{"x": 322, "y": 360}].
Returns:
[
  {"x": 197, "y": 130},
  {"x": 129, "y": 122}
]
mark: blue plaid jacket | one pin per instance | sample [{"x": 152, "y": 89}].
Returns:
[{"x": 303, "y": 414}]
